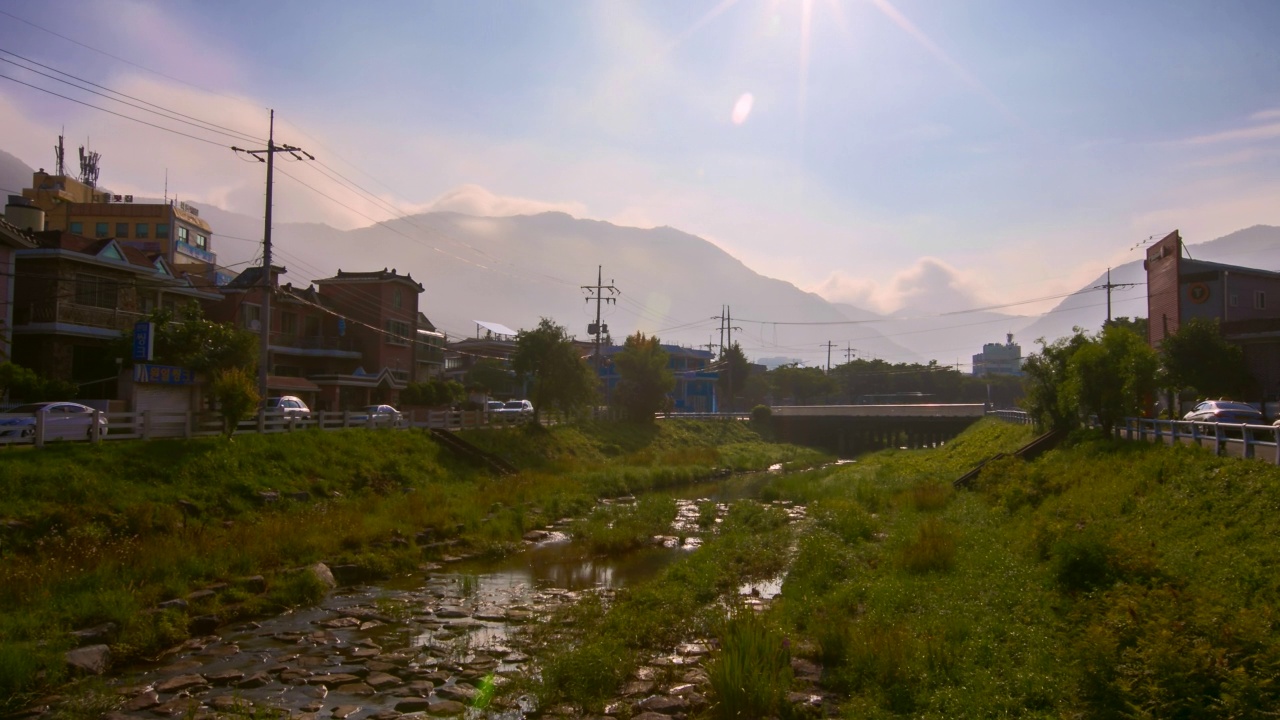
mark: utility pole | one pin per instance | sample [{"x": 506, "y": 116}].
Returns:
[
  {"x": 726, "y": 342},
  {"x": 1108, "y": 287},
  {"x": 849, "y": 350},
  {"x": 828, "y": 346},
  {"x": 596, "y": 293},
  {"x": 268, "y": 284}
]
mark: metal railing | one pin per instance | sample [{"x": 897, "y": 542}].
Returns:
[
  {"x": 1017, "y": 417},
  {"x": 157, "y": 424},
  {"x": 1261, "y": 442}
]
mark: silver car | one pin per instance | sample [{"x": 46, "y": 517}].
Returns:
[
  {"x": 382, "y": 416},
  {"x": 62, "y": 421}
]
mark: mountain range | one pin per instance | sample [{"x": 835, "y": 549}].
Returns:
[{"x": 515, "y": 270}]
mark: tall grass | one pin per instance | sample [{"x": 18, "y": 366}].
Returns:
[{"x": 750, "y": 674}]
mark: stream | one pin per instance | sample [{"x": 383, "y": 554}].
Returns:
[{"x": 432, "y": 643}]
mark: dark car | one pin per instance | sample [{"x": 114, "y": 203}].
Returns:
[{"x": 1224, "y": 411}]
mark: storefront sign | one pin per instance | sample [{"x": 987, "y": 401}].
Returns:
[{"x": 162, "y": 375}]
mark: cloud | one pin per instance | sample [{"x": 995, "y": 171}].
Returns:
[
  {"x": 473, "y": 199},
  {"x": 927, "y": 286},
  {"x": 1257, "y": 132}
]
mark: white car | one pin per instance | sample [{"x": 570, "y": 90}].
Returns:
[
  {"x": 522, "y": 408},
  {"x": 288, "y": 406},
  {"x": 383, "y": 416},
  {"x": 62, "y": 421}
]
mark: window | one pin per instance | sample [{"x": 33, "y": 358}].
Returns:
[
  {"x": 397, "y": 332},
  {"x": 397, "y": 300},
  {"x": 289, "y": 324},
  {"x": 183, "y": 234},
  {"x": 251, "y": 316},
  {"x": 162, "y": 231},
  {"x": 202, "y": 241},
  {"x": 1234, "y": 300},
  {"x": 311, "y": 326},
  {"x": 101, "y": 229},
  {"x": 77, "y": 228},
  {"x": 122, "y": 230},
  {"x": 95, "y": 291},
  {"x": 1259, "y": 300},
  {"x": 141, "y": 230}
]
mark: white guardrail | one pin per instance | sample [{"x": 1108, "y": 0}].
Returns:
[
  {"x": 154, "y": 425},
  {"x": 1261, "y": 442}
]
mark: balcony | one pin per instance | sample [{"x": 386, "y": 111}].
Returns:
[
  {"x": 63, "y": 312},
  {"x": 314, "y": 346}
]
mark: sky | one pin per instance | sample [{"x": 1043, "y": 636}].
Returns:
[{"x": 899, "y": 155}]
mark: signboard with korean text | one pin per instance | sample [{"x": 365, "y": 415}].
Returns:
[
  {"x": 162, "y": 375},
  {"x": 144, "y": 338}
]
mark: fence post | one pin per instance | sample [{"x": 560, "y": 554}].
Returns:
[
  {"x": 187, "y": 425},
  {"x": 39, "y": 437},
  {"x": 262, "y": 421},
  {"x": 95, "y": 430},
  {"x": 146, "y": 424}
]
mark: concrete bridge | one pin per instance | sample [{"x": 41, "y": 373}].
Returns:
[{"x": 849, "y": 430}]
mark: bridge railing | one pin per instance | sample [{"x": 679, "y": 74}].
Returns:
[{"x": 1017, "y": 417}]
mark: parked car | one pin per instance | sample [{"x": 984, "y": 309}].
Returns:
[
  {"x": 1224, "y": 411},
  {"x": 522, "y": 408},
  {"x": 493, "y": 405},
  {"x": 383, "y": 415},
  {"x": 62, "y": 421},
  {"x": 288, "y": 406}
]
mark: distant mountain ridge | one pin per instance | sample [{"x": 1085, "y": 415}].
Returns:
[{"x": 516, "y": 270}]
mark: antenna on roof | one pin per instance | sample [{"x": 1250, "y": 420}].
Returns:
[
  {"x": 61, "y": 153},
  {"x": 89, "y": 167}
]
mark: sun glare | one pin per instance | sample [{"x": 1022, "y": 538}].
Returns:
[{"x": 742, "y": 108}]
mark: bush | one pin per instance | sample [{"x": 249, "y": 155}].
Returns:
[
  {"x": 934, "y": 548},
  {"x": 236, "y": 393}
]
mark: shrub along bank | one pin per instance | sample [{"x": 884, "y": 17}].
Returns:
[{"x": 102, "y": 535}]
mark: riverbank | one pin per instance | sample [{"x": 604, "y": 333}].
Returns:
[
  {"x": 1106, "y": 579},
  {"x": 145, "y": 541}
]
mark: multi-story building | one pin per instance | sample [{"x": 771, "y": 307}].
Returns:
[
  {"x": 172, "y": 229},
  {"x": 382, "y": 307},
  {"x": 1245, "y": 301},
  {"x": 75, "y": 298},
  {"x": 13, "y": 236},
  {"x": 997, "y": 359}
]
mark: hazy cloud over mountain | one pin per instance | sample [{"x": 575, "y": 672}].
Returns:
[{"x": 930, "y": 285}]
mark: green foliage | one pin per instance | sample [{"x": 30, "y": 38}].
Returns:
[
  {"x": 800, "y": 385},
  {"x": 761, "y": 415},
  {"x": 432, "y": 393},
  {"x": 644, "y": 378},
  {"x": 1045, "y": 380},
  {"x": 751, "y": 672},
  {"x": 19, "y": 383},
  {"x": 1198, "y": 359},
  {"x": 492, "y": 376},
  {"x": 1112, "y": 376},
  {"x": 617, "y": 528},
  {"x": 933, "y": 550},
  {"x": 236, "y": 393},
  {"x": 734, "y": 372},
  {"x": 189, "y": 340},
  {"x": 561, "y": 379}
]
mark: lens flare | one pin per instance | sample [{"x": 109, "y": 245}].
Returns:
[{"x": 742, "y": 108}]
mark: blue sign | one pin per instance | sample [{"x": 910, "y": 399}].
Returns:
[
  {"x": 144, "y": 338},
  {"x": 342, "y": 326},
  {"x": 162, "y": 375}
]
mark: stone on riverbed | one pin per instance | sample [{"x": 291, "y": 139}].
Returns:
[
  {"x": 93, "y": 659},
  {"x": 181, "y": 682}
]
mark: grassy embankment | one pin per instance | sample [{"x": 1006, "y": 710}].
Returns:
[
  {"x": 1107, "y": 579},
  {"x": 101, "y": 534}
]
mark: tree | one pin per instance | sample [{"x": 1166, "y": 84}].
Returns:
[
  {"x": 734, "y": 371},
  {"x": 561, "y": 379},
  {"x": 188, "y": 339},
  {"x": 1045, "y": 377},
  {"x": 25, "y": 384},
  {"x": 1197, "y": 358},
  {"x": 491, "y": 375},
  {"x": 644, "y": 378},
  {"x": 801, "y": 384},
  {"x": 1112, "y": 376},
  {"x": 235, "y": 390}
]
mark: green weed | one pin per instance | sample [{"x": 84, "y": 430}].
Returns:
[{"x": 750, "y": 673}]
